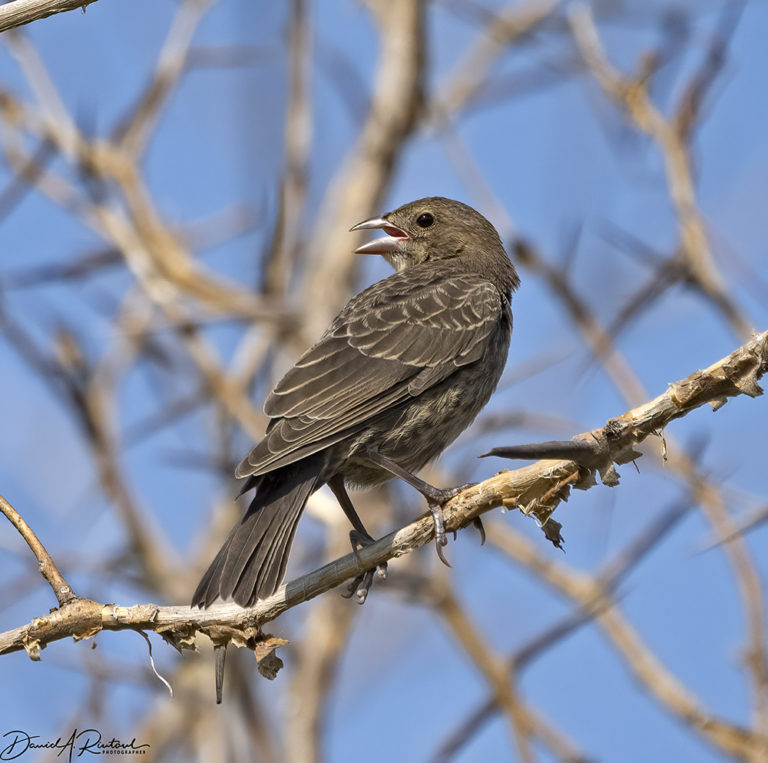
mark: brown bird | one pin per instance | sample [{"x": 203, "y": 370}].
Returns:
[{"x": 401, "y": 371}]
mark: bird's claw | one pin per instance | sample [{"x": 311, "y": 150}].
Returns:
[
  {"x": 441, "y": 556},
  {"x": 436, "y": 499},
  {"x": 359, "y": 587},
  {"x": 359, "y": 540},
  {"x": 440, "y": 540},
  {"x": 477, "y": 523},
  {"x": 362, "y": 583}
]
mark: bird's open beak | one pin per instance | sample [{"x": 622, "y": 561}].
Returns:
[{"x": 385, "y": 245}]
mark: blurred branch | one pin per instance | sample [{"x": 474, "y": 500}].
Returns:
[
  {"x": 497, "y": 37},
  {"x": 631, "y": 95},
  {"x": 709, "y": 495},
  {"x": 116, "y": 202},
  {"x": 316, "y": 661},
  {"x": 537, "y": 489},
  {"x": 609, "y": 578},
  {"x": 746, "y": 525},
  {"x": 134, "y": 133},
  {"x": 23, "y": 182},
  {"x": 89, "y": 396},
  {"x": 691, "y": 102},
  {"x": 358, "y": 187},
  {"x": 79, "y": 268},
  {"x": 592, "y": 595},
  {"x": 20, "y": 12},
  {"x": 161, "y": 265},
  {"x": 599, "y": 340},
  {"x": 503, "y": 683},
  {"x": 285, "y": 242}
]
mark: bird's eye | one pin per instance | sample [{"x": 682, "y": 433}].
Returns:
[{"x": 425, "y": 220}]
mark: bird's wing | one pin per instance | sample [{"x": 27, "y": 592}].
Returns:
[{"x": 393, "y": 341}]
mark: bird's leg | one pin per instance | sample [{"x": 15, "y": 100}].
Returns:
[
  {"x": 436, "y": 498},
  {"x": 360, "y": 538}
]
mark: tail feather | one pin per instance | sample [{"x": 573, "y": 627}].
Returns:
[
  {"x": 207, "y": 590},
  {"x": 251, "y": 563},
  {"x": 276, "y": 556}
]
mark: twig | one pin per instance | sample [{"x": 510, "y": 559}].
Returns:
[
  {"x": 472, "y": 72},
  {"x": 756, "y": 518},
  {"x": 61, "y": 589}
]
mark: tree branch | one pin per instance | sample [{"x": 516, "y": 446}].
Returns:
[
  {"x": 22, "y": 12},
  {"x": 61, "y": 589},
  {"x": 536, "y": 489}
]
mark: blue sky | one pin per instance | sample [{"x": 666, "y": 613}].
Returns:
[{"x": 554, "y": 159}]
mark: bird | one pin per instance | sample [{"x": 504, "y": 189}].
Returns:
[{"x": 399, "y": 374}]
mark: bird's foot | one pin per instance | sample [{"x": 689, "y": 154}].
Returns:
[
  {"x": 440, "y": 540},
  {"x": 362, "y": 583},
  {"x": 436, "y": 499},
  {"x": 442, "y": 496}
]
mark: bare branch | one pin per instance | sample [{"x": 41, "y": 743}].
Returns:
[
  {"x": 609, "y": 579},
  {"x": 61, "y": 589},
  {"x": 20, "y": 12},
  {"x": 282, "y": 253},
  {"x": 537, "y": 489}
]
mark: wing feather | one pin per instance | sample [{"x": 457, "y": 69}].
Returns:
[{"x": 390, "y": 343}]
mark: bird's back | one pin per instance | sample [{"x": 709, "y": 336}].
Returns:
[{"x": 409, "y": 337}]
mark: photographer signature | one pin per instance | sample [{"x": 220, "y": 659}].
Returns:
[{"x": 78, "y": 743}]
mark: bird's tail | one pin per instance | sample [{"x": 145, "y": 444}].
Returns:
[{"x": 251, "y": 563}]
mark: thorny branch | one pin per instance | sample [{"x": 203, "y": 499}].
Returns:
[{"x": 536, "y": 489}]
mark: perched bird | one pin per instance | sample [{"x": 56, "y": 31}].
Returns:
[{"x": 401, "y": 371}]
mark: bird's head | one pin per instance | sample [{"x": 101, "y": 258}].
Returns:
[{"x": 434, "y": 228}]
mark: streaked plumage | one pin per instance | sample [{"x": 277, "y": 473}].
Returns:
[{"x": 403, "y": 369}]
